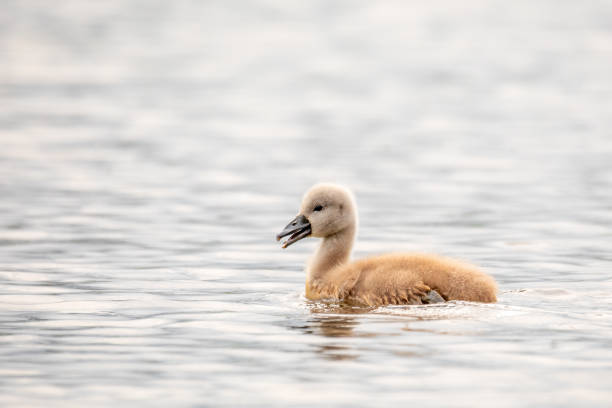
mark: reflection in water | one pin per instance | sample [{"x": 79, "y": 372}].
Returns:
[
  {"x": 340, "y": 323},
  {"x": 333, "y": 326},
  {"x": 333, "y": 321},
  {"x": 337, "y": 352}
]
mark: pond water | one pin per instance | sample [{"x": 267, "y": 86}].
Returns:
[{"x": 150, "y": 151}]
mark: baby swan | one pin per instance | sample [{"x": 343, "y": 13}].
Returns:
[{"x": 329, "y": 212}]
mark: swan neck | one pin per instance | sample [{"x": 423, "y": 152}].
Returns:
[{"x": 334, "y": 250}]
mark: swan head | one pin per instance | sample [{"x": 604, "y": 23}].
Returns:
[{"x": 326, "y": 209}]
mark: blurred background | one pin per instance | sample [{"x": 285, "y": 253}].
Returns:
[{"x": 149, "y": 151}]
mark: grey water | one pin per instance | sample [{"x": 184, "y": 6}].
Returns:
[{"x": 149, "y": 152}]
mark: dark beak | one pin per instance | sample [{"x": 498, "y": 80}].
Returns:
[{"x": 297, "y": 229}]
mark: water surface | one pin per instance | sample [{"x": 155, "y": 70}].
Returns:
[{"x": 151, "y": 150}]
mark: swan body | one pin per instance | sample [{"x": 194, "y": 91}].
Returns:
[{"x": 329, "y": 212}]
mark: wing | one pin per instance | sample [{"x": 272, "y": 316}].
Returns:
[{"x": 380, "y": 285}]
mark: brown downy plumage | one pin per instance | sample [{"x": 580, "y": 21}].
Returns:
[{"x": 329, "y": 212}]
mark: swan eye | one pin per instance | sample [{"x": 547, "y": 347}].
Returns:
[{"x": 318, "y": 208}]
